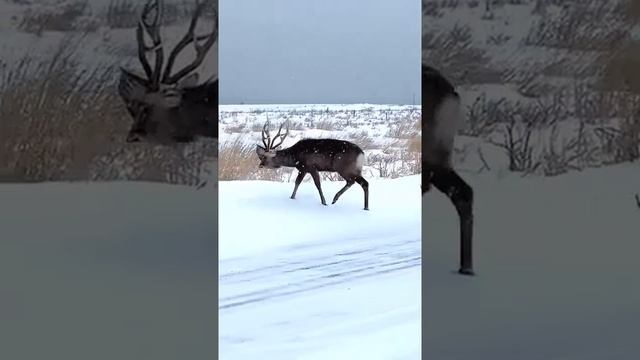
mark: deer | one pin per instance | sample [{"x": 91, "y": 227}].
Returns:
[
  {"x": 166, "y": 107},
  {"x": 441, "y": 114},
  {"x": 311, "y": 156}
]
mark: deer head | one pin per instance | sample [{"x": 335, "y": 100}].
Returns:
[
  {"x": 165, "y": 105},
  {"x": 267, "y": 154}
]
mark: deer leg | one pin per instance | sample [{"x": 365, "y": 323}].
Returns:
[
  {"x": 345, "y": 188},
  {"x": 316, "y": 180},
  {"x": 299, "y": 179},
  {"x": 461, "y": 195},
  {"x": 365, "y": 186}
]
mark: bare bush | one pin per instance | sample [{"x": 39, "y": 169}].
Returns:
[
  {"x": 433, "y": 8},
  {"x": 562, "y": 154},
  {"x": 586, "y": 26},
  {"x": 595, "y": 107},
  {"x": 327, "y": 124},
  {"x": 363, "y": 139},
  {"x": 517, "y": 143},
  {"x": 454, "y": 53},
  {"x": 482, "y": 117},
  {"x": 403, "y": 129}
]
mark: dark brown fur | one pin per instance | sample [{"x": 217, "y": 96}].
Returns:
[{"x": 314, "y": 155}]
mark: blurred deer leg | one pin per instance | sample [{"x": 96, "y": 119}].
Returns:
[
  {"x": 299, "y": 179},
  {"x": 316, "y": 180},
  {"x": 365, "y": 186},
  {"x": 345, "y": 188},
  {"x": 461, "y": 195}
]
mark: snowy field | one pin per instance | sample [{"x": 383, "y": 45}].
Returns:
[
  {"x": 389, "y": 135},
  {"x": 107, "y": 271},
  {"x": 299, "y": 280},
  {"x": 557, "y": 266}
]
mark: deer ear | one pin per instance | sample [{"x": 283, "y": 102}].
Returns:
[
  {"x": 189, "y": 81},
  {"x": 260, "y": 150}
]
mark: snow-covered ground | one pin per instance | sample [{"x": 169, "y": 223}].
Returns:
[
  {"x": 299, "y": 280},
  {"x": 107, "y": 271},
  {"x": 557, "y": 267},
  {"x": 389, "y": 135}
]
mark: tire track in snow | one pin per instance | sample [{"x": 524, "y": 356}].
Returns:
[{"x": 315, "y": 266}]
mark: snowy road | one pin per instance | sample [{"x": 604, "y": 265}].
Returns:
[
  {"x": 556, "y": 262},
  {"x": 351, "y": 290},
  {"x": 323, "y": 301},
  {"x": 107, "y": 271},
  {"x": 314, "y": 266}
]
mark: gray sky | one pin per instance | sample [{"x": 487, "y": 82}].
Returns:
[{"x": 320, "y": 51}]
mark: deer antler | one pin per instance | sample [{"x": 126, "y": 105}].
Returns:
[
  {"x": 266, "y": 138},
  {"x": 191, "y": 37},
  {"x": 151, "y": 25},
  {"x": 282, "y": 137}
]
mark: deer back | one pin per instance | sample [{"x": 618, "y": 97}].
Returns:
[{"x": 328, "y": 155}]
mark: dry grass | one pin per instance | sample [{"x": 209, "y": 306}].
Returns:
[
  {"x": 48, "y": 124},
  {"x": 238, "y": 161},
  {"x": 61, "y": 122}
]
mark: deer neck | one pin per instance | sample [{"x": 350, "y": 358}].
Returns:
[{"x": 285, "y": 158}]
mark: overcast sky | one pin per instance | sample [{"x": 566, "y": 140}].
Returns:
[{"x": 319, "y": 51}]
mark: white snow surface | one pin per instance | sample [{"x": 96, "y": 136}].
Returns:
[
  {"x": 107, "y": 271},
  {"x": 299, "y": 280},
  {"x": 557, "y": 267}
]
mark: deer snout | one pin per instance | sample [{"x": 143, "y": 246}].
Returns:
[{"x": 171, "y": 98}]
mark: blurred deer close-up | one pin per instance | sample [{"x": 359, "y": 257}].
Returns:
[
  {"x": 167, "y": 107},
  {"x": 441, "y": 115},
  {"x": 311, "y": 156}
]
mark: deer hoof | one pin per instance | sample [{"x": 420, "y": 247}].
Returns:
[
  {"x": 468, "y": 272},
  {"x": 366, "y": 209},
  {"x": 292, "y": 197}
]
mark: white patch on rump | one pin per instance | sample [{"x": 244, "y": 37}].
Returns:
[
  {"x": 440, "y": 137},
  {"x": 360, "y": 161}
]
